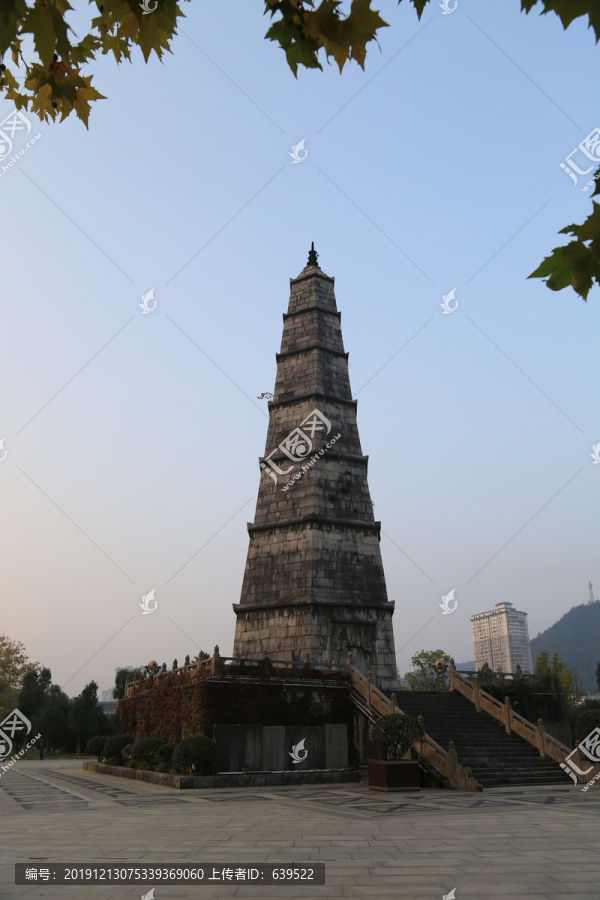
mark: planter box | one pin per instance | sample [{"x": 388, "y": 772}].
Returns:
[{"x": 392, "y": 775}]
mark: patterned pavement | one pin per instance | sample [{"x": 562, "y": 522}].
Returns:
[{"x": 523, "y": 842}]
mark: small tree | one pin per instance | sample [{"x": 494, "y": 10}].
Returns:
[
  {"x": 424, "y": 676},
  {"x": 121, "y": 677},
  {"x": 95, "y": 746},
  {"x": 86, "y": 718},
  {"x": 397, "y": 733}
]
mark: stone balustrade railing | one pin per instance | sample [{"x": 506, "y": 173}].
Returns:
[
  {"x": 224, "y": 667},
  {"x": 569, "y": 760}
]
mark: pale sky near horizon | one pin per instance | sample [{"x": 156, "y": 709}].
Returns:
[{"x": 132, "y": 440}]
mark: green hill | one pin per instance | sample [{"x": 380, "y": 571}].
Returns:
[{"x": 576, "y": 639}]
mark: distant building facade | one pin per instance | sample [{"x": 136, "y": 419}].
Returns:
[{"x": 501, "y": 639}]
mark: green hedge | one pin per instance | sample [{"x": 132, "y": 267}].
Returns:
[
  {"x": 145, "y": 750},
  {"x": 95, "y": 746},
  {"x": 114, "y": 746},
  {"x": 196, "y": 755}
]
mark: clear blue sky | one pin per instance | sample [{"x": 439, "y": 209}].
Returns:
[{"x": 132, "y": 440}]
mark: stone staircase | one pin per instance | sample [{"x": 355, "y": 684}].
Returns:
[{"x": 494, "y": 757}]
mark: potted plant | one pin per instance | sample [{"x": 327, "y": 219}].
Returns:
[{"x": 396, "y": 733}]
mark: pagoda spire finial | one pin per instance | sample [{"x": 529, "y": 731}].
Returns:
[{"x": 312, "y": 256}]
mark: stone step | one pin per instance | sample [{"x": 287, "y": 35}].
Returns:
[{"x": 481, "y": 742}]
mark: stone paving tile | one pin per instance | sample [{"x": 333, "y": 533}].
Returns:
[{"x": 392, "y": 849}]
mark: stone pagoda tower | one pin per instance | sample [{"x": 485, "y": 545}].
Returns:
[{"x": 314, "y": 581}]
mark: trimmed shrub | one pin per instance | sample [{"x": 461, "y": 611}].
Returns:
[
  {"x": 165, "y": 755},
  {"x": 114, "y": 748},
  {"x": 113, "y": 761},
  {"x": 126, "y": 752},
  {"x": 145, "y": 750},
  {"x": 397, "y": 732},
  {"x": 162, "y": 767},
  {"x": 195, "y": 754},
  {"x": 95, "y": 746}
]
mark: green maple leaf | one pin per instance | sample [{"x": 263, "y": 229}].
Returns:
[
  {"x": 365, "y": 22},
  {"x": 589, "y": 230},
  {"x": 49, "y": 31},
  {"x": 573, "y": 265},
  {"x": 419, "y": 5},
  {"x": 569, "y": 10},
  {"x": 11, "y": 13}
]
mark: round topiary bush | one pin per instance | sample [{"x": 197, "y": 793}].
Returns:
[
  {"x": 114, "y": 747},
  {"x": 144, "y": 751},
  {"x": 195, "y": 754},
  {"x": 165, "y": 755},
  {"x": 397, "y": 733},
  {"x": 95, "y": 746},
  {"x": 113, "y": 761}
]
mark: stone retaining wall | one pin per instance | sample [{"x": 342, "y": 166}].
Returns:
[{"x": 227, "y": 779}]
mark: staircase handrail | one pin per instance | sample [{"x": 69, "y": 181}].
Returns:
[
  {"x": 513, "y": 721},
  {"x": 444, "y": 761}
]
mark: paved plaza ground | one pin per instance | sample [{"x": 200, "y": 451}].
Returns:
[{"x": 534, "y": 843}]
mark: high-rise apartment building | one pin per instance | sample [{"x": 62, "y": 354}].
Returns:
[{"x": 501, "y": 639}]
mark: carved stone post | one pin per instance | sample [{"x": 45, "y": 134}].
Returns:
[
  {"x": 392, "y": 703},
  {"x": 216, "y": 660},
  {"x": 368, "y": 687},
  {"x": 451, "y": 764},
  {"x": 452, "y": 674},
  {"x": 507, "y": 713},
  {"x": 476, "y": 694},
  {"x": 541, "y": 737}
]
